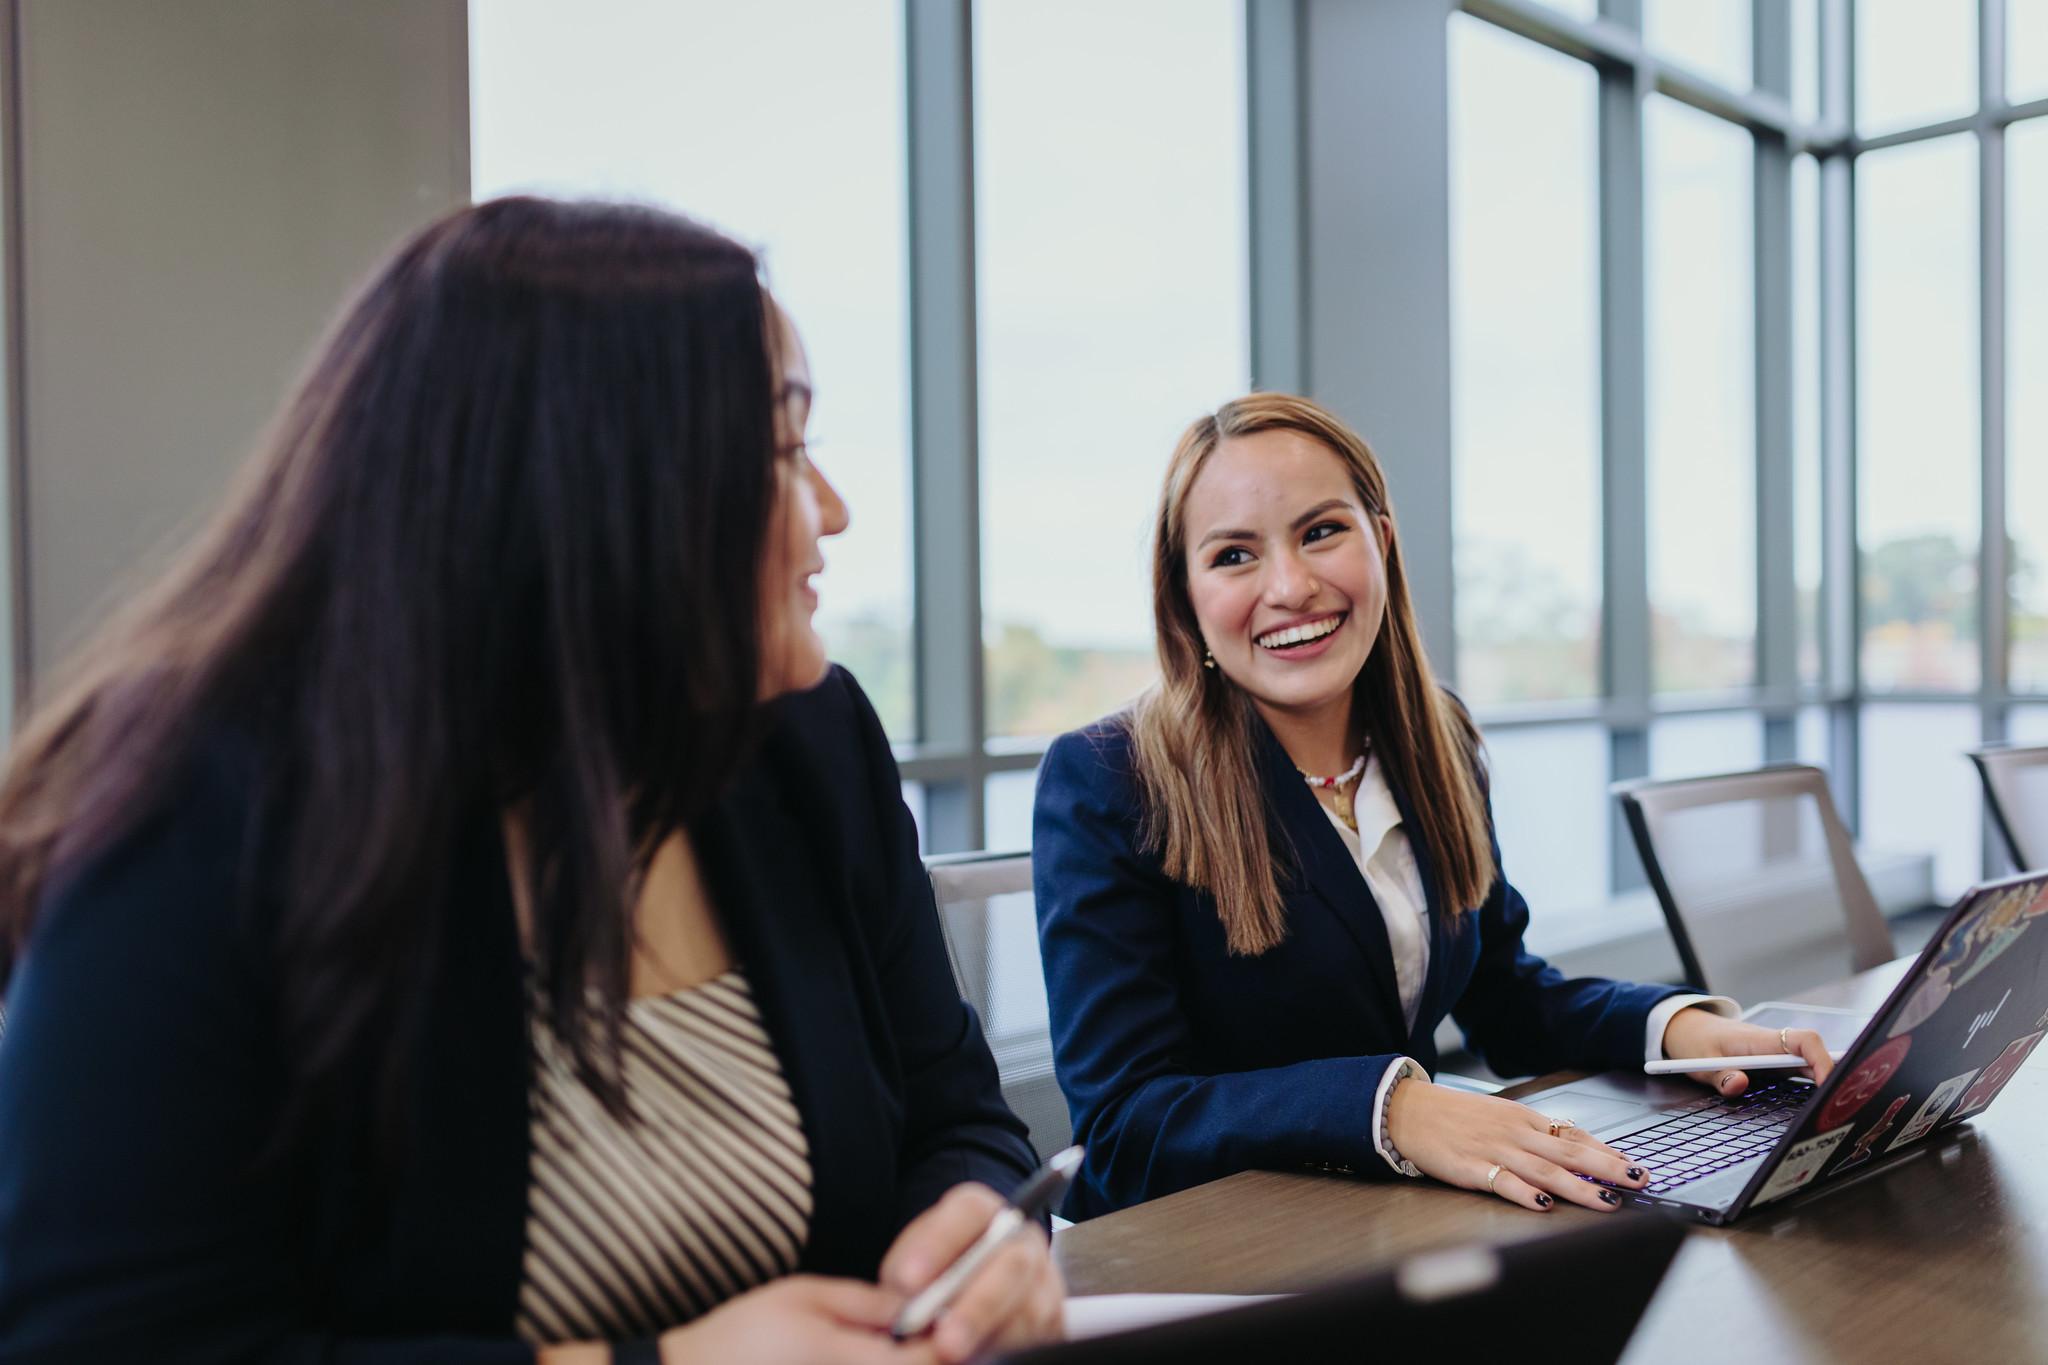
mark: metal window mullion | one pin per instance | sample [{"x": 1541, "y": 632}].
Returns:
[
  {"x": 14, "y": 566},
  {"x": 1273, "y": 167},
  {"x": 1994, "y": 598},
  {"x": 1376, "y": 268},
  {"x": 944, "y": 411},
  {"x": 1777, "y": 595},
  {"x": 1625, "y": 641},
  {"x": 1615, "y": 39},
  {"x": 1841, "y": 584}
]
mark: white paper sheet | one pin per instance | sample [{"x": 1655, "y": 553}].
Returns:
[{"x": 1097, "y": 1315}]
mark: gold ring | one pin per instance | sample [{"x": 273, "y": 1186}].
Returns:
[
  {"x": 1557, "y": 1126},
  {"x": 1785, "y": 1042},
  {"x": 1492, "y": 1176}
]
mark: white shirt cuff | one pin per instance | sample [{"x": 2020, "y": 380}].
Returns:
[
  {"x": 1403, "y": 1068},
  {"x": 1660, "y": 1019}
]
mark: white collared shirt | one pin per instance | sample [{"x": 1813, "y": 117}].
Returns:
[
  {"x": 1385, "y": 859},
  {"x": 1380, "y": 848}
]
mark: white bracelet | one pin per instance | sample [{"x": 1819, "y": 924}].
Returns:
[{"x": 1404, "y": 1069}]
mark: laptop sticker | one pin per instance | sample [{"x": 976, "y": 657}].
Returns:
[
  {"x": 1971, "y": 946},
  {"x": 1996, "y": 1075},
  {"x": 1996, "y": 930},
  {"x": 1860, "y": 1153},
  {"x": 1801, "y": 1164},
  {"x": 1862, "y": 1085},
  {"x": 1930, "y": 1113},
  {"x": 1988, "y": 931},
  {"x": 1930, "y": 995}
]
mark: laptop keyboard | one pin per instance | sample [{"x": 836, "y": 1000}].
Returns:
[{"x": 1714, "y": 1134}]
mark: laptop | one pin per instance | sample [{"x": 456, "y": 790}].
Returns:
[
  {"x": 1467, "y": 1302},
  {"x": 1950, "y": 1036}
]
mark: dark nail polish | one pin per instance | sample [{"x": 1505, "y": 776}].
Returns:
[
  {"x": 1543, "y": 1200},
  {"x": 1635, "y": 1173},
  {"x": 1609, "y": 1197}
]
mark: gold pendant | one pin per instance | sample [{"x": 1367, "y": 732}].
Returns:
[{"x": 1343, "y": 804}]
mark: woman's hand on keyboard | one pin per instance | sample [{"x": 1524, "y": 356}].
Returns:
[
  {"x": 1696, "y": 1032},
  {"x": 1483, "y": 1142}
]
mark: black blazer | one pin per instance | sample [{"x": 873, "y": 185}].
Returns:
[
  {"x": 1182, "y": 1063},
  {"x": 140, "y": 1077}
]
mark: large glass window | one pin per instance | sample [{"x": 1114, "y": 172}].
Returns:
[
  {"x": 782, "y": 123},
  {"x": 1007, "y": 799},
  {"x": 1702, "y": 431},
  {"x": 2026, "y": 393},
  {"x": 1525, "y": 368},
  {"x": 1710, "y": 36},
  {"x": 1920, "y": 794},
  {"x": 1918, "y": 414},
  {"x": 1715, "y": 742},
  {"x": 1915, "y": 62},
  {"x": 1812, "y": 740},
  {"x": 1806, "y": 58},
  {"x": 1549, "y": 785},
  {"x": 2026, "y": 49},
  {"x": 1806, "y": 462},
  {"x": 1110, "y": 185}
]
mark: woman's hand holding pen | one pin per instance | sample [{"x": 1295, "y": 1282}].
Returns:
[
  {"x": 1482, "y": 1142},
  {"x": 1696, "y": 1032},
  {"x": 1016, "y": 1299}
]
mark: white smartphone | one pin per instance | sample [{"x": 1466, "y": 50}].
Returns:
[{"x": 1765, "y": 1061}]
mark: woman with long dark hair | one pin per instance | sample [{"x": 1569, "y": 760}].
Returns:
[
  {"x": 1262, "y": 887},
  {"x": 457, "y": 913}
]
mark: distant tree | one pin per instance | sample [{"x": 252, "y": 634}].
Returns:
[{"x": 1919, "y": 580}]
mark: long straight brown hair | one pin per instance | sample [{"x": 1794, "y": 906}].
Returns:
[{"x": 1195, "y": 731}]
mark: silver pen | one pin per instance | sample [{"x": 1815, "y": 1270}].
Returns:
[{"x": 1026, "y": 1205}]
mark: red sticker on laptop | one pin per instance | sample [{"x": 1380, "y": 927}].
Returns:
[
  {"x": 1996, "y": 1075},
  {"x": 1864, "y": 1084},
  {"x": 1860, "y": 1153},
  {"x": 1933, "y": 1111}
]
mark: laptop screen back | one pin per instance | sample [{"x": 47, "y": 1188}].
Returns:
[{"x": 1960, "y": 1024}]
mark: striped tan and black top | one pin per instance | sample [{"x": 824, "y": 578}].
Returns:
[{"x": 633, "y": 1228}]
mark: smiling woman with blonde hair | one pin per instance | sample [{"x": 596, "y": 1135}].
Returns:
[{"x": 1262, "y": 887}]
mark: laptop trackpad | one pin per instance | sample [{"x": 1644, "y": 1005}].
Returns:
[{"x": 1591, "y": 1111}]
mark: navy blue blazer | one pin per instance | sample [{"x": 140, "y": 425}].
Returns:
[
  {"x": 1182, "y": 1063},
  {"x": 140, "y": 1077}
]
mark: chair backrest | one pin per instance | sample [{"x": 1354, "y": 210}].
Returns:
[
  {"x": 985, "y": 906},
  {"x": 1757, "y": 879},
  {"x": 2016, "y": 788}
]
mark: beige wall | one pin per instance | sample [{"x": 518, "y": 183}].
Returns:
[{"x": 199, "y": 182}]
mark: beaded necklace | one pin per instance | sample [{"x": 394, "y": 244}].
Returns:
[{"x": 1341, "y": 784}]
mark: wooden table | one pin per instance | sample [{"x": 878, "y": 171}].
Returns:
[{"x": 1942, "y": 1258}]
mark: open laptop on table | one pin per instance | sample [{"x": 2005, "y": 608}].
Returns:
[
  {"x": 1938, "y": 1051},
  {"x": 1580, "y": 1294}
]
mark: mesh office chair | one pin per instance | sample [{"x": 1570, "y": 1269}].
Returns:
[
  {"x": 1757, "y": 879},
  {"x": 991, "y": 926},
  {"x": 2016, "y": 788}
]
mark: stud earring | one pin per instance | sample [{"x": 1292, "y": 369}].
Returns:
[{"x": 1208, "y": 659}]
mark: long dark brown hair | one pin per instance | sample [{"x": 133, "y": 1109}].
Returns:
[
  {"x": 1205, "y": 811},
  {"x": 500, "y": 549}
]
